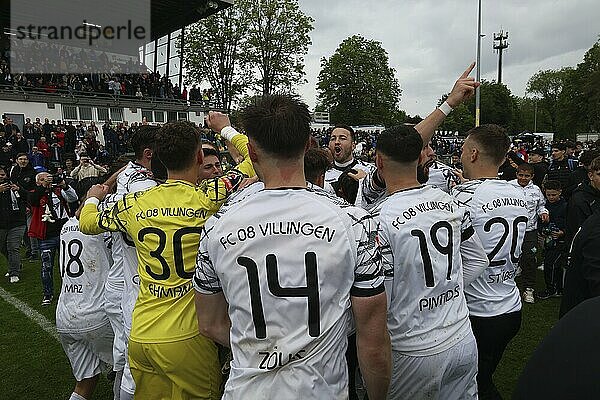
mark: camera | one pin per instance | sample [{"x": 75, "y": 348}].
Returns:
[{"x": 57, "y": 179}]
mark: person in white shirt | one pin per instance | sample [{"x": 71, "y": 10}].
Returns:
[
  {"x": 341, "y": 145},
  {"x": 122, "y": 282},
  {"x": 81, "y": 321},
  {"x": 278, "y": 272},
  {"x": 499, "y": 215},
  {"x": 430, "y": 252},
  {"x": 536, "y": 209}
]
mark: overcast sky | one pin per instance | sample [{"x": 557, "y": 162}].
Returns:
[{"x": 430, "y": 42}]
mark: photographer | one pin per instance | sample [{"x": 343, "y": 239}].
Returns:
[
  {"x": 12, "y": 224},
  {"x": 49, "y": 206},
  {"x": 87, "y": 168}
]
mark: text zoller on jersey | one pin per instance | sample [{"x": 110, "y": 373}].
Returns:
[
  {"x": 503, "y": 202},
  {"x": 412, "y": 212},
  {"x": 320, "y": 232},
  {"x": 271, "y": 360}
]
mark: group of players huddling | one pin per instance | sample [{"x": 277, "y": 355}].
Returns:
[{"x": 162, "y": 277}]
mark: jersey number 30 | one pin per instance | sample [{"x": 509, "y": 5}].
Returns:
[{"x": 310, "y": 291}]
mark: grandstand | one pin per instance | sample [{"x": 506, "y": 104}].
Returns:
[{"x": 89, "y": 99}]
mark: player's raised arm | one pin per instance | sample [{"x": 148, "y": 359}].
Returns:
[
  {"x": 463, "y": 89},
  {"x": 92, "y": 221},
  {"x": 221, "y": 124}
]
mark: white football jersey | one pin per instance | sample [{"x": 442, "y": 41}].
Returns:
[
  {"x": 134, "y": 178},
  {"x": 333, "y": 174},
  {"x": 287, "y": 261},
  {"x": 442, "y": 176},
  {"x": 84, "y": 261},
  {"x": 499, "y": 215},
  {"x": 420, "y": 231}
]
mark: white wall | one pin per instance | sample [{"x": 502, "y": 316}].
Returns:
[{"x": 35, "y": 110}]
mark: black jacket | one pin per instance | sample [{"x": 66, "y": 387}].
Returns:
[
  {"x": 577, "y": 177},
  {"x": 584, "y": 202},
  {"x": 539, "y": 170},
  {"x": 582, "y": 280},
  {"x": 12, "y": 215}
]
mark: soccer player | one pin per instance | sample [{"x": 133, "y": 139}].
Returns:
[
  {"x": 430, "y": 253},
  {"x": 463, "y": 89},
  {"x": 498, "y": 211},
  {"x": 83, "y": 326},
  {"x": 167, "y": 355},
  {"x": 279, "y": 270},
  {"x": 341, "y": 145},
  {"x": 122, "y": 285}
]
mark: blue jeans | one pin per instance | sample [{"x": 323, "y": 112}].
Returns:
[
  {"x": 10, "y": 244},
  {"x": 48, "y": 249}
]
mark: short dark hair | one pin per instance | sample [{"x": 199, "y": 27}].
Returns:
[
  {"x": 588, "y": 156},
  {"x": 401, "y": 143},
  {"x": 143, "y": 138},
  {"x": 21, "y": 155},
  {"x": 279, "y": 124},
  {"x": 525, "y": 167},
  {"x": 209, "y": 151},
  {"x": 559, "y": 146},
  {"x": 316, "y": 162},
  {"x": 346, "y": 186},
  {"x": 177, "y": 144},
  {"x": 595, "y": 164},
  {"x": 552, "y": 184},
  {"x": 346, "y": 127},
  {"x": 492, "y": 140}
]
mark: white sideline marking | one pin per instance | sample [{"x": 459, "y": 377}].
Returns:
[{"x": 30, "y": 313}]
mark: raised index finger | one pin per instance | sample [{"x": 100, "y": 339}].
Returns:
[{"x": 468, "y": 70}]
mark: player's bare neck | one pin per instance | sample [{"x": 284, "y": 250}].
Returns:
[
  {"x": 190, "y": 176},
  {"x": 281, "y": 173},
  {"x": 398, "y": 183}
]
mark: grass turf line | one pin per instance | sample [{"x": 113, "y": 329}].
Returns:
[{"x": 35, "y": 365}]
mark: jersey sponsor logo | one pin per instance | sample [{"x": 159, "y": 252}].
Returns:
[
  {"x": 431, "y": 303},
  {"x": 502, "y": 202},
  {"x": 172, "y": 212},
  {"x": 161, "y": 291},
  {"x": 275, "y": 359},
  {"x": 321, "y": 232},
  {"x": 412, "y": 212}
]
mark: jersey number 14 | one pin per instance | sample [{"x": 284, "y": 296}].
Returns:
[{"x": 310, "y": 291}]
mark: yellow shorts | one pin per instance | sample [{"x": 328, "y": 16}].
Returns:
[{"x": 184, "y": 370}]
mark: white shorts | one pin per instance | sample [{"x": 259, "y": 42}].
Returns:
[
  {"x": 112, "y": 305},
  {"x": 449, "y": 375},
  {"x": 89, "y": 353}
]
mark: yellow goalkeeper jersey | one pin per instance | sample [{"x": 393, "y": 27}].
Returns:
[{"x": 166, "y": 224}]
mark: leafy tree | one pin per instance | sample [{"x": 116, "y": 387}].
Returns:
[
  {"x": 547, "y": 86},
  {"x": 278, "y": 40},
  {"x": 213, "y": 51},
  {"x": 497, "y": 107},
  {"x": 253, "y": 44},
  {"x": 579, "y": 103},
  {"x": 358, "y": 86}
]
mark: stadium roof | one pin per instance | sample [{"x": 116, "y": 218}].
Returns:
[{"x": 167, "y": 15}]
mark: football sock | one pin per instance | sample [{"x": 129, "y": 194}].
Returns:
[{"x": 75, "y": 396}]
